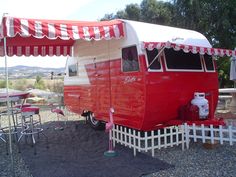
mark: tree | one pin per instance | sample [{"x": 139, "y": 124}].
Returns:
[
  {"x": 3, "y": 84},
  {"x": 157, "y": 12},
  {"x": 187, "y": 14},
  {"x": 39, "y": 83},
  {"x": 108, "y": 17},
  {"x": 216, "y": 20},
  {"x": 121, "y": 15},
  {"x": 133, "y": 12}
]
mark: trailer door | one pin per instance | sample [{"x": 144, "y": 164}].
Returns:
[{"x": 102, "y": 80}]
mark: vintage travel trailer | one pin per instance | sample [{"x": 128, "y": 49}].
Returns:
[
  {"x": 149, "y": 77},
  {"x": 152, "y": 76}
]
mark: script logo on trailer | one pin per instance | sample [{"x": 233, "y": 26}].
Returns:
[
  {"x": 73, "y": 95},
  {"x": 129, "y": 79}
]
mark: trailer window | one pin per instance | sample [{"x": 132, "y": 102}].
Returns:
[
  {"x": 130, "y": 59},
  {"x": 179, "y": 60},
  {"x": 208, "y": 62},
  {"x": 151, "y": 54},
  {"x": 73, "y": 70}
]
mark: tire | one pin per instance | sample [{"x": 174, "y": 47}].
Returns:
[{"x": 94, "y": 123}]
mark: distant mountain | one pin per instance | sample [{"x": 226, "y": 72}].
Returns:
[{"x": 21, "y": 71}]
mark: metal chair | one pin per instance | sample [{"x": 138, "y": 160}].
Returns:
[
  {"x": 5, "y": 129},
  {"x": 30, "y": 125},
  {"x": 3, "y": 133}
]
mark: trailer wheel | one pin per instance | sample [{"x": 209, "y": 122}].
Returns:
[{"x": 95, "y": 124}]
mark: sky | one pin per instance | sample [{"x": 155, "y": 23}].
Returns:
[{"x": 82, "y": 10}]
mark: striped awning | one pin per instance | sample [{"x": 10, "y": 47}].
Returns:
[
  {"x": 189, "y": 48},
  {"x": 39, "y": 37}
]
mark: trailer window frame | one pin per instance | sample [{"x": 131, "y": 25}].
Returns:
[
  {"x": 74, "y": 73},
  {"x": 135, "y": 57},
  {"x": 205, "y": 65},
  {"x": 159, "y": 59},
  {"x": 182, "y": 70}
]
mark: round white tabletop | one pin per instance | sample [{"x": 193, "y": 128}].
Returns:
[{"x": 227, "y": 90}]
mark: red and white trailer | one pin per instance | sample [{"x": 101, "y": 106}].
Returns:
[{"x": 148, "y": 75}]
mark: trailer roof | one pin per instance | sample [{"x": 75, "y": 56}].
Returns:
[
  {"x": 153, "y": 36},
  {"x": 147, "y": 32}
]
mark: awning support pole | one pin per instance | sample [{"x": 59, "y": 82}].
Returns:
[
  {"x": 159, "y": 53},
  {"x": 8, "y": 106}
]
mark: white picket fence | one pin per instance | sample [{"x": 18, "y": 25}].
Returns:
[
  {"x": 171, "y": 136},
  {"x": 210, "y": 134},
  {"x": 148, "y": 141}
]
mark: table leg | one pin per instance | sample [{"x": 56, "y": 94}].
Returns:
[{"x": 232, "y": 106}]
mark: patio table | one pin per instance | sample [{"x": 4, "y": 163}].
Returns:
[
  {"x": 232, "y": 91},
  {"x": 13, "y": 98}
]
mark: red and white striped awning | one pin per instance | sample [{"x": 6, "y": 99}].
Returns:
[
  {"x": 189, "y": 48},
  {"x": 39, "y": 37}
]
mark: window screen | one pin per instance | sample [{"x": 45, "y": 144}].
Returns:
[
  {"x": 151, "y": 54},
  {"x": 130, "y": 59},
  {"x": 208, "y": 62},
  {"x": 73, "y": 70},
  {"x": 181, "y": 60}
]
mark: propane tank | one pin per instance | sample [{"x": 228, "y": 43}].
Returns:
[{"x": 202, "y": 103}]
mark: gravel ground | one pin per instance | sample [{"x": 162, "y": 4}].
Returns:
[
  {"x": 19, "y": 168},
  {"x": 196, "y": 161}
]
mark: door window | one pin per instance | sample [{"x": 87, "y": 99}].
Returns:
[
  {"x": 130, "y": 59},
  {"x": 73, "y": 70}
]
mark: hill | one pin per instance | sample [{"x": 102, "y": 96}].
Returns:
[{"x": 20, "y": 71}]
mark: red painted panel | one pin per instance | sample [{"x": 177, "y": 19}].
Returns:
[
  {"x": 168, "y": 91},
  {"x": 77, "y": 98},
  {"x": 109, "y": 87}
]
